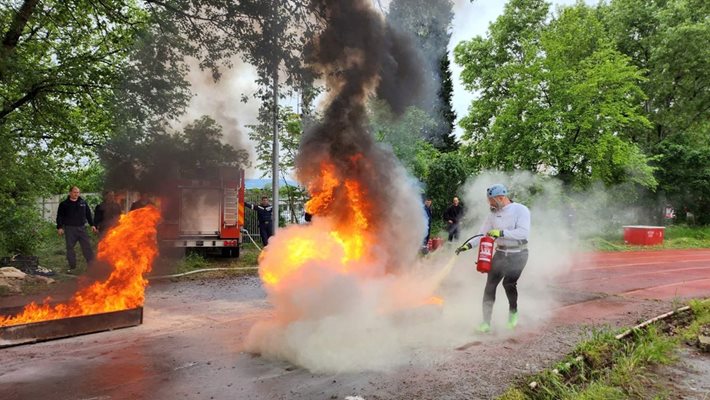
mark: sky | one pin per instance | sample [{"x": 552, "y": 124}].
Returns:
[
  {"x": 471, "y": 19},
  {"x": 221, "y": 100}
]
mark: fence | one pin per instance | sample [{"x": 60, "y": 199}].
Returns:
[
  {"x": 288, "y": 214},
  {"x": 47, "y": 206},
  {"x": 48, "y": 209}
]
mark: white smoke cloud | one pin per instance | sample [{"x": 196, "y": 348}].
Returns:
[
  {"x": 221, "y": 100},
  {"x": 329, "y": 322}
]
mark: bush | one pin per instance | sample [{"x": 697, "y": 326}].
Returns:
[{"x": 20, "y": 230}]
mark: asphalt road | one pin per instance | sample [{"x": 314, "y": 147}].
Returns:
[{"x": 190, "y": 345}]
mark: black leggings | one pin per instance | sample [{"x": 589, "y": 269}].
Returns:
[{"x": 506, "y": 267}]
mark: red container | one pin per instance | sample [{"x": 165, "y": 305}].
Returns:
[
  {"x": 643, "y": 235},
  {"x": 435, "y": 243}
]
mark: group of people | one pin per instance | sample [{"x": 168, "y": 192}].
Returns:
[
  {"x": 74, "y": 213},
  {"x": 509, "y": 224},
  {"x": 452, "y": 217}
]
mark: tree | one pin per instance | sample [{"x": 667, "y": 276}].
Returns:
[
  {"x": 666, "y": 39},
  {"x": 684, "y": 174},
  {"x": 290, "y": 133},
  {"x": 555, "y": 97},
  {"x": 194, "y": 153},
  {"x": 448, "y": 115},
  {"x": 429, "y": 23},
  {"x": 445, "y": 175},
  {"x": 400, "y": 133}
]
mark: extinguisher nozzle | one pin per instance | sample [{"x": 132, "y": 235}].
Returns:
[{"x": 463, "y": 248}]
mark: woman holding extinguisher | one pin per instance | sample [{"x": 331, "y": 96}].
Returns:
[{"x": 509, "y": 225}]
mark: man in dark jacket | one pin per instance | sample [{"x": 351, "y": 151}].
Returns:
[
  {"x": 72, "y": 216},
  {"x": 106, "y": 214},
  {"x": 143, "y": 201},
  {"x": 427, "y": 214},
  {"x": 452, "y": 217},
  {"x": 264, "y": 216}
]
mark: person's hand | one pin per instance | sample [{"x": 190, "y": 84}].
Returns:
[
  {"x": 60, "y": 231},
  {"x": 93, "y": 229},
  {"x": 496, "y": 233},
  {"x": 463, "y": 248}
]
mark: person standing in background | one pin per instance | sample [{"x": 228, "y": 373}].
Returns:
[
  {"x": 106, "y": 214},
  {"x": 72, "y": 216},
  {"x": 427, "y": 214},
  {"x": 263, "y": 214},
  {"x": 452, "y": 217}
]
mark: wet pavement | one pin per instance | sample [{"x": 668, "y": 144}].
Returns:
[{"x": 190, "y": 345}]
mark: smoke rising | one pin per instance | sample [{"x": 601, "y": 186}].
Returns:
[
  {"x": 221, "y": 100},
  {"x": 357, "y": 53},
  {"x": 383, "y": 309},
  {"x": 324, "y": 319}
]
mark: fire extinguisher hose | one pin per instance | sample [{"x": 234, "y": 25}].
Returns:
[{"x": 470, "y": 239}]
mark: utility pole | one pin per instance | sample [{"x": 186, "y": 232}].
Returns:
[
  {"x": 275, "y": 30},
  {"x": 275, "y": 157}
]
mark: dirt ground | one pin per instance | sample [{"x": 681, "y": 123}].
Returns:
[{"x": 190, "y": 345}]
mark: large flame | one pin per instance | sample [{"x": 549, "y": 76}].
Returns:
[
  {"x": 130, "y": 249},
  {"x": 342, "y": 240}
]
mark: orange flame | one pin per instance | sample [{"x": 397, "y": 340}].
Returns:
[
  {"x": 130, "y": 248},
  {"x": 342, "y": 242},
  {"x": 435, "y": 300}
]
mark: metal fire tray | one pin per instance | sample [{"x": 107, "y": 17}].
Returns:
[{"x": 34, "y": 332}]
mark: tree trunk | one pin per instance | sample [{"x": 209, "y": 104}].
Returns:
[{"x": 12, "y": 36}]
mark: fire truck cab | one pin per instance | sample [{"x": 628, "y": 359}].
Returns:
[{"x": 203, "y": 213}]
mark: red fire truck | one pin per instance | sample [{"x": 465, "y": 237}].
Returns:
[{"x": 206, "y": 213}]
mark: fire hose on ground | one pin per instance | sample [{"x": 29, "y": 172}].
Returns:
[{"x": 244, "y": 231}]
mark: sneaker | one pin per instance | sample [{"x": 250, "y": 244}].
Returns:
[
  {"x": 513, "y": 320},
  {"x": 485, "y": 327}
]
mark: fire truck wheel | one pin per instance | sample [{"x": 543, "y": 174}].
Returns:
[{"x": 230, "y": 252}]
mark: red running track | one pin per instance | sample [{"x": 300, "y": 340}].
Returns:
[{"x": 620, "y": 280}]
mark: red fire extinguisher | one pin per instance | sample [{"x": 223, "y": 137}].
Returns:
[{"x": 485, "y": 252}]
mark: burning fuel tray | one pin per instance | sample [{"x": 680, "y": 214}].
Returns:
[{"x": 14, "y": 335}]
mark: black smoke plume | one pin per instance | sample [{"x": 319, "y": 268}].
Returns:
[{"x": 359, "y": 55}]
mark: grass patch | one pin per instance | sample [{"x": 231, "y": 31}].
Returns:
[
  {"x": 191, "y": 262},
  {"x": 53, "y": 255},
  {"x": 603, "y": 367},
  {"x": 701, "y": 317},
  {"x": 675, "y": 237}
]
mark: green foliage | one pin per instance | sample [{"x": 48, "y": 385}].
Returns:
[
  {"x": 89, "y": 178},
  {"x": 19, "y": 228},
  {"x": 195, "y": 152},
  {"x": 445, "y": 176},
  {"x": 666, "y": 39},
  {"x": 404, "y": 134},
  {"x": 191, "y": 262},
  {"x": 429, "y": 23},
  {"x": 701, "y": 314},
  {"x": 684, "y": 174},
  {"x": 556, "y": 97},
  {"x": 448, "y": 115},
  {"x": 290, "y": 132},
  {"x": 441, "y": 173},
  {"x": 609, "y": 369},
  {"x": 77, "y": 75}
]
